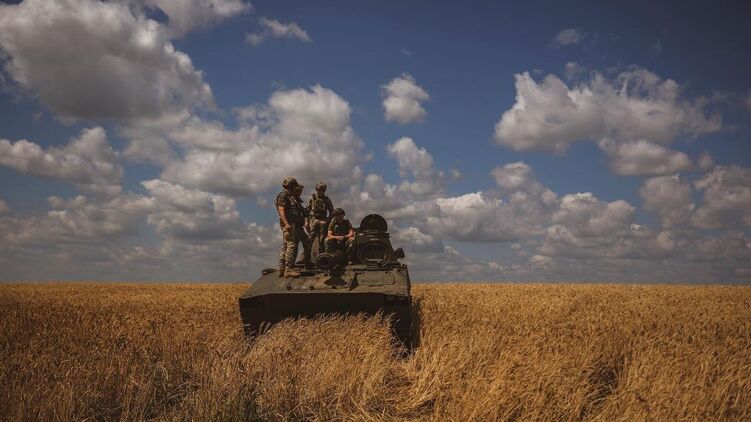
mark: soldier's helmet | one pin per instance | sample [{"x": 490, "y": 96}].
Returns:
[
  {"x": 338, "y": 211},
  {"x": 320, "y": 186},
  {"x": 289, "y": 182}
]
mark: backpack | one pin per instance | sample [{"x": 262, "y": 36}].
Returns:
[{"x": 319, "y": 206}]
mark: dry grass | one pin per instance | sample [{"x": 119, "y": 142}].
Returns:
[{"x": 487, "y": 352}]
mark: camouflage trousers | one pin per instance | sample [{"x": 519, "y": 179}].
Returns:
[
  {"x": 290, "y": 240},
  {"x": 318, "y": 229},
  {"x": 344, "y": 245}
]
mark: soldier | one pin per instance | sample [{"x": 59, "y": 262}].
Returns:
[
  {"x": 341, "y": 234},
  {"x": 320, "y": 209},
  {"x": 291, "y": 221},
  {"x": 305, "y": 237}
]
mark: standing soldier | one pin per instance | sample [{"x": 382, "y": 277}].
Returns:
[
  {"x": 291, "y": 222},
  {"x": 320, "y": 209},
  {"x": 304, "y": 222}
]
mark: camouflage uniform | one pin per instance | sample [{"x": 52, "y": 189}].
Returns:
[
  {"x": 291, "y": 237},
  {"x": 320, "y": 209},
  {"x": 303, "y": 237},
  {"x": 341, "y": 228}
]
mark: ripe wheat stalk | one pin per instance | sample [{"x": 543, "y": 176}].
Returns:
[{"x": 486, "y": 352}]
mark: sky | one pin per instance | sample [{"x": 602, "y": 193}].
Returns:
[{"x": 145, "y": 140}]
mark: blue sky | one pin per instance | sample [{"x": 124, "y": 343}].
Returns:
[{"x": 566, "y": 141}]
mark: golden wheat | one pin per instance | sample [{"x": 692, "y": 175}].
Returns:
[{"x": 486, "y": 352}]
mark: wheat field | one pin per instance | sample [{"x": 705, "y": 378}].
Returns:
[{"x": 76, "y": 351}]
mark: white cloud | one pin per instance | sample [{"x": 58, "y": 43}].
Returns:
[
  {"x": 476, "y": 217},
  {"x": 669, "y": 198},
  {"x": 414, "y": 240},
  {"x": 727, "y": 198},
  {"x": 519, "y": 177},
  {"x": 637, "y": 104},
  {"x": 481, "y": 217},
  {"x": 271, "y": 28},
  {"x": 568, "y": 36},
  {"x": 154, "y": 150},
  {"x": 305, "y": 133},
  {"x": 76, "y": 222},
  {"x": 88, "y": 161},
  {"x": 202, "y": 238},
  {"x": 402, "y": 99},
  {"x": 192, "y": 214},
  {"x": 473, "y": 217},
  {"x": 705, "y": 161},
  {"x": 92, "y": 60},
  {"x": 4, "y": 208},
  {"x": 417, "y": 163},
  {"x": 573, "y": 70},
  {"x": 641, "y": 157},
  {"x": 187, "y": 15},
  {"x": 585, "y": 227}
]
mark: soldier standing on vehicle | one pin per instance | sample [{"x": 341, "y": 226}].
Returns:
[
  {"x": 341, "y": 234},
  {"x": 291, "y": 222},
  {"x": 305, "y": 239},
  {"x": 320, "y": 209}
]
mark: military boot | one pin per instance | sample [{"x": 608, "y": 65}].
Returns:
[{"x": 281, "y": 272}]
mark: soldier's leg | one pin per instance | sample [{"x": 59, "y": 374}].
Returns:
[
  {"x": 291, "y": 252},
  {"x": 331, "y": 245},
  {"x": 303, "y": 237},
  {"x": 283, "y": 253},
  {"x": 350, "y": 249},
  {"x": 319, "y": 229},
  {"x": 315, "y": 233}
]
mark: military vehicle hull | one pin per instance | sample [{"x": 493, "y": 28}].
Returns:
[
  {"x": 357, "y": 289},
  {"x": 366, "y": 279}
]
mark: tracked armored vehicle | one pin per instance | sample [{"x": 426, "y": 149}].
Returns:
[{"x": 368, "y": 280}]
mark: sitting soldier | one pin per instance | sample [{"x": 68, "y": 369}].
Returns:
[{"x": 341, "y": 233}]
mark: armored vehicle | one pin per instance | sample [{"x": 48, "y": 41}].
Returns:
[{"x": 368, "y": 279}]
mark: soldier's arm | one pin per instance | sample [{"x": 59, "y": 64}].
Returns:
[
  {"x": 330, "y": 234},
  {"x": 282, "y": 216}
]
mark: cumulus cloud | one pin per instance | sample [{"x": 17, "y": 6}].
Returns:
[
  {"x": 568, "y": 36},
  {"x": 402, "y": 99},
  {"x": 669, "y": 198},
  {"x": 187, "y": 15},
  {"x": 641, "y": 157},
  {"x": 519, "y": 177},
  {"x": 726, "y": 200},
  {"x": 473, "y": 217},
  {"x": 201, "y": 238},
  {"x": 76, "y": 224},
  {"x": 87, "y": 59},
  {"x": 705, "y": 161},
  {"x": 636, "y": 105},
  {"x": 192, "y": 214},
  {"x": 417, "y": 163},
  {"x": 87, "y": 161},
  {"x": 415, "y": 241},
  {"x": 272, "y": 28},
  {"x": 311, "y": 127},
  {"x": 586, "y": 227}
]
